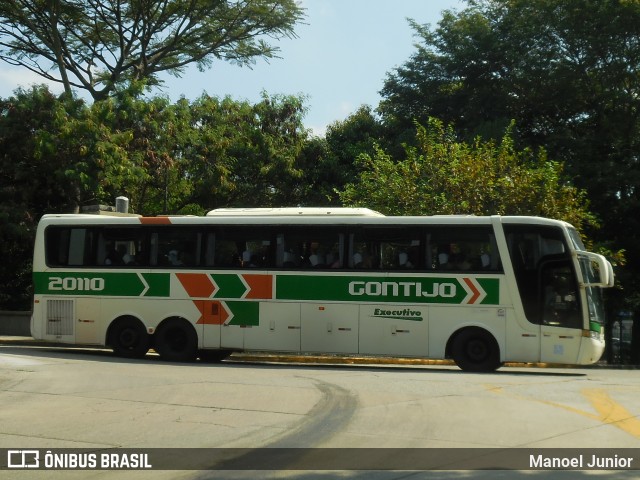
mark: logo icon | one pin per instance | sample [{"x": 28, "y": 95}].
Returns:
[{"x": 23, "y": 458}]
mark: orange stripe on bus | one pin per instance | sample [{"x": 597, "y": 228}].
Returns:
[
  {"x": 472, "y": 287},
  {"x": 260, "y": 286},
  {"x": 211, "y": 312},
  {"x": 155, "y": 220},
  {"x": 197, "y": 285}
]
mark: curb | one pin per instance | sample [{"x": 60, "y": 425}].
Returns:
[{"x": 328, "y": 358}]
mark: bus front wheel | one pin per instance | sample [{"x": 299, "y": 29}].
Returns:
[
  {"x": 128, "y": 338},
  {"x": 175, "y": 340},
  {"x": 475, "y": 350}
]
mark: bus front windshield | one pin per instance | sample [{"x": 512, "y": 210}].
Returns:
[{"x": 575, "y": 239}]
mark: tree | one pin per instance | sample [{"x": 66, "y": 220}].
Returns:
[
  {"x": 58, "y": 154},
  {"x": 233, "y": 153},
  {"x": 329, "y": 163},
  {"x": 29, "y": 187},
  {"x": 566, "y": 71},
  {"x": 445, "y": 176},
  {"x": 100, "y": 45}
]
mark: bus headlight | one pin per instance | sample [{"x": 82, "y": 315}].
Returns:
[{"x": 593, "y": 335}]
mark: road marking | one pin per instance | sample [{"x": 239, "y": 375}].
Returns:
[
  {"x": 611, "y": 412},
  {"x": 608, "y": 410}
]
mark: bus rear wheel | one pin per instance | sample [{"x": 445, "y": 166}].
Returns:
[
  {"x": 175, "y": 340},
  {"x": 475, "y": 350},
  {"x": 128, "y": 338}
]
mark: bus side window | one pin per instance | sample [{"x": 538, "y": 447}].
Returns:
[
  {"x": 226, "y": 254},
  {"x": 209, "y": 249},
  {"x": 258, "y": 254},
  {"x": 464, "y": 249},
  {"x": 242, "y": 248},
  {"x": 363, "y": 256},
  {"x": 385, "y": 248},
  {"x": 307, "y": 248},
  {"x": 68, "y": 246},
  {"x": 179, "y": 247},
  {"x": 400, "y": 254},
  {"x": 118, "y": 247}
]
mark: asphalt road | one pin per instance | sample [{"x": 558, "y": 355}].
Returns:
[{"x": 54, "y": 398}]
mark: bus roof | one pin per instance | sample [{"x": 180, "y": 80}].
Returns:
[
  {"x": 285, "y": 216},
  {"x": 294, "y": 211}
]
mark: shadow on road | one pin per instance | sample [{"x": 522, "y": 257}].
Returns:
[{"x": 279, "y": 361}]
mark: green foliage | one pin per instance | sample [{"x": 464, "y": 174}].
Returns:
[
  {"x": 104, "y": 46},
  {"x": 444, "y": 176},
  {"x": 26, "y": 185},
  {"x": 218, "y": 152},
  {"x": 565, "y": 70},
  {"x": 59, "y": 154},
  {"x": 92, "y": 156},
  {"x": 329, "y": 163}
]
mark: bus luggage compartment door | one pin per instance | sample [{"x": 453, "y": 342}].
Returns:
[
  {"x": 394, "y": 330},
  {"x": 329, "y": 327},
  {"x": 88, "y": 311},
  {"x": 278, "y": 328}
]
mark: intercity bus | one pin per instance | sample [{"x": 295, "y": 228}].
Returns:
[{"x": 479, "y": 290}]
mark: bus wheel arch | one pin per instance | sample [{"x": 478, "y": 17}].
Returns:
[
  {"x": 474, "y": 349},
  {"x": 176, "y": 340},
  {"x": 128, "y": 337}
]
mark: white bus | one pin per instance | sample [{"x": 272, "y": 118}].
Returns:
[{"x": 480, "y": 290}]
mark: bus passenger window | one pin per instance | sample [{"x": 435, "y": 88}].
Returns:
[
  {"x": 115, "y": 254},
  {"x": 67, "y": 246},
  {"x": 384, "y": 248},
  {"x": 463, "y": 249},
  {"x": 121, "y": 247},
  {"x": 258, "y": 254},
  {"x": 443, "y": 259},
  {"x": 242, "y": 248},
  {"x": 363, "y": 258},
  {"x": 178, "y": 247},
  {"x": 306, "y": 248}
]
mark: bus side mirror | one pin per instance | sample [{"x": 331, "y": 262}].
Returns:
[{"x": 596, "y": 270}]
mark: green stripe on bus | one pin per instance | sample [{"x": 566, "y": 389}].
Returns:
[
  {"x": 492, "y": 288},
  {"x": 113, "y": 284},
  {"x": 229, "y": 285},
  {"x": 159, "y": 284},
  {"x": 445, "y": 290},
  {"x": 595, "y": 326},
  {"x": 244, "y": 313}
]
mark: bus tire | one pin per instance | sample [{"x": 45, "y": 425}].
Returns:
[
  {"x": 176, "y": 340},
  {"x": 476, "y": 350},
  {"x": 128, "y": 338}
]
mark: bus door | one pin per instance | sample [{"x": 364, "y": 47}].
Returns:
[
  {"x": 560, "y": 312},
  {"x": 547, "y": 286}
]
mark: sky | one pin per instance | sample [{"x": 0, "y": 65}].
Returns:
[{"x": 339, "y": 60}]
